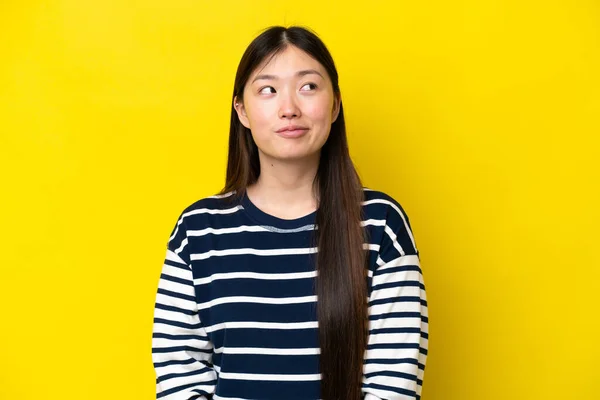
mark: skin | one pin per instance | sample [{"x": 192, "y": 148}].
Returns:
[{"x": 283, "y": 98}]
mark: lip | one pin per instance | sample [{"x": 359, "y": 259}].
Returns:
[{"x": 292, "y": 131}]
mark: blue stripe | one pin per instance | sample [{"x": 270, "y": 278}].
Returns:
[
  {"x": 398, "y": 284},
  {"x": 393, "y": 346},
  {"x": 174, "y": 362},
  {"x": 394, "y": 330},
  {"x": 183, "y": 374},
  {"x": 405, "y": 392},
  {"x": 397, "y": 299},
  {"x": 176, "y": 264},
  {"x": 157, "y": 335},
  {"x": 402, "y": 314},
  {"x": 175, "y": 349},
  {"x": 390, "y": 361},
  {"x": 394, "y": 374},
  {"x": 175, "y": 309},
  {"x": 175, "y": 279}
]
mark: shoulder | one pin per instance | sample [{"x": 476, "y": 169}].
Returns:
[
  {"x": 383, "y": 203},
  {"x": 391, "y": 216},
  {"x": 205, "y": 207},
  {"x": 201, "y": 214},
  {"x": 203, "y": 211}
]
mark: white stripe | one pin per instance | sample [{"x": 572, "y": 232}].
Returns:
[
  {"x": 262, "y": 325},
  {"x": 176, "y": 287},
  {"x": 223, "y": 231},
  {"x": 270, "y": 377},
  {"x": 259, "y": 252},
  {"x": 213, "y": 211},
  {"x": 162, "y": 343},
  {"x": 370, "y": 246},
  {"x": 221, "y": 196},
  {"x": 179, "y": 368},
  {"x": 391, "y": 338},
  {"x": 181, "y": 355},
  {"x": 270, "y": 351},
  {"x": 395, "y": 323},
  {"x": 399, "y": 276},
  {"x": 406, "y": 367},
  {"x": 373, "y": 222},
  {"x": 394, "y": 239},
  {"x": 176, "y": 272},
  {"x": 266, "y": 252},
  {"x": 261, "y": 228},
  {"x": 394, "y": 307},
  {"x": 174, "y": 316},
  {"x": 400, "y": 262},
  {"x": 412, "y": 291},
  {"x": 259, "y": 300},
  {"x": 255, "y": 275}
]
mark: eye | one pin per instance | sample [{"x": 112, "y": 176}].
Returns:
[
  {"x": 314, "y": 86},
  {"x": 266, "y": 87}
]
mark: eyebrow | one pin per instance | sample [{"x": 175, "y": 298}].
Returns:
[{"x": 299, "y": 73}]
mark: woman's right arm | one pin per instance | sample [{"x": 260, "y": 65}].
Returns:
[{"x": 181, "y": 349}]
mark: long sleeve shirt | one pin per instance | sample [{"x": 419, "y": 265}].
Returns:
[{"x": 235, "y": 313}]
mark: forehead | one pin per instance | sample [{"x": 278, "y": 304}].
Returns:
[{"x": 286, "y": 63}]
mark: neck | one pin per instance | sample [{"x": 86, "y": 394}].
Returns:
[{"x": 285, "y": 187}]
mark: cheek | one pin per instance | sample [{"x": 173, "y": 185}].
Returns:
[
  {"x": 320, "y": 111},
  {"x": 260, "y": 117}
]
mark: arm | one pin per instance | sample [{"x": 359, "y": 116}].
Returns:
[
  {"x": 181, "y": 350},
  {"x": 398, "y": 322}
]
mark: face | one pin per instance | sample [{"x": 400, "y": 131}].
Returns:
[{"x": 291, "y": 90}]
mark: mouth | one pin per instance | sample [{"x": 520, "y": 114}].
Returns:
[{"x": 292, "y": 131}]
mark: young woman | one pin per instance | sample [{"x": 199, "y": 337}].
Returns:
[{"x": 295, "y": 281}]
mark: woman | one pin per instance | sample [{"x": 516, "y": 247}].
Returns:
[{"x": 236, "y": 314}]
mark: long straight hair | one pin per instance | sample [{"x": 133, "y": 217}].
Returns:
[{"x": 339, "y": 237}]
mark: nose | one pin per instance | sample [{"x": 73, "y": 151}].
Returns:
[{"x": 288, "y": 107}]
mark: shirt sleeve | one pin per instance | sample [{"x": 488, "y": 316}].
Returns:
[
  {"x": 398, "y": 322},
  {"x": 181, "y": 349}
]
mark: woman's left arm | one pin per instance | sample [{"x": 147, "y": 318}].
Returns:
[{"x": 398, "y": 320}]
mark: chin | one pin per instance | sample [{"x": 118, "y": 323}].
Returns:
[{"x": 294, "y": 155}]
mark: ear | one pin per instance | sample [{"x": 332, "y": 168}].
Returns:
[
  {"x": 337, "y": 101},
  {"x": 241, "y": 112}
]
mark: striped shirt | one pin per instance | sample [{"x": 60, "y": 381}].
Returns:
[{"x": 235, "y": 313}]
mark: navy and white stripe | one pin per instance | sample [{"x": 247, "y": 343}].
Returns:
[{"x": 235, "y": 314}]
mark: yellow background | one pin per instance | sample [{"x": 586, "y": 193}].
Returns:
[{"x": 481, "y": 117}]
